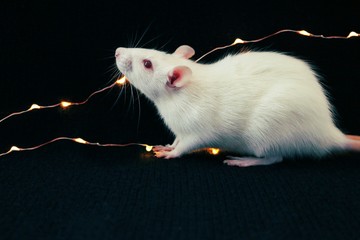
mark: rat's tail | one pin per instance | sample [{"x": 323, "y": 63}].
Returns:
[{"x": 353, "y": 143}]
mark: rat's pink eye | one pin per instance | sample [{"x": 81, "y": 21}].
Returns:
[{"x": 147, "y": 64}]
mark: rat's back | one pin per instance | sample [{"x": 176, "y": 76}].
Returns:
[{"x": 275, "y": 105}]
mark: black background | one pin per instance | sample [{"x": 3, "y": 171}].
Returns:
[
  {"x": 63, "y": 50},
  {"x": 59, "y": 50}
]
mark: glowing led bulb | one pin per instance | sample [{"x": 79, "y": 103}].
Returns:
[
  {"x": 305, "y": 33},
  {"x": 238, "y": 40},
  {"x": 148, "y": 148},
  {"x": 214, "y": 151},
  {"x": 80, "y": 140},
  {"x": 121, "y": 81},
  {"x": 34, "y": 106},
  {"x": 14, "y": 148},
  {"x": 65, "y": 104},
  {"x": 353, "y": 34}
]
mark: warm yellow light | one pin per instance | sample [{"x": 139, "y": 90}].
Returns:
[
  {"x": 65, "y": 104},
  {"x": 214, "y": 151},
  {"x": 121, "y": 81},
  {"x": 34, "y": 106},
  {"x": 305, "y": 33},
  {"x": 353, "y": 34},
  {"x": 148, "y": 148},
  {"x": 238, "y": 40},
  {"x": 14, "y": 148},
  {"x": 80, "y": 140}
]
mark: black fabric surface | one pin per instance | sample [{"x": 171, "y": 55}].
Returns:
[
  {"x": 88, "y": 193},
  {"x": 64, "y": 50}
]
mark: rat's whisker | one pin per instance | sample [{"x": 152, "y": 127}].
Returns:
[
  {"x": 122, "y": 87},
  {"x": 132, "y": 98},
  {"x": 107, "y": 58},
  {"x": 151, "y": 40},
  {"x": 115, "y": 73},
  {"x": 133, "y": 40},
  {"x": 139, "y": 105},
  {"x": 142, "y": 36},
  {"x": 112, "y": 68},
  {"x": 166, "y": 43}
]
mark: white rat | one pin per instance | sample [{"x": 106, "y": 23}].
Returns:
[{"x": 262, "y": 105}]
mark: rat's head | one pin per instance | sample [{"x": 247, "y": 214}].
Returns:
[{"x": 154, "y": 72}]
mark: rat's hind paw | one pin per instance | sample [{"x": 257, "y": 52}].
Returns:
[{"x": 251, "y": 161}]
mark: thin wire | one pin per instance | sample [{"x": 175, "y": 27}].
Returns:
[
  {"x": 77, "y": 140},
  {"x": 300, "y": 32}
]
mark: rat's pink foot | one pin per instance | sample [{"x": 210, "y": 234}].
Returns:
[
  {"x": 160, "y": 148},
  {"x": 165, "y": 154},
  {"x": 251, "y": 161}
]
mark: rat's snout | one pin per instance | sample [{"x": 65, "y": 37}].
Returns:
[
  {"x": 118, "y": 52},
  {"x": 123, "y": 60}
]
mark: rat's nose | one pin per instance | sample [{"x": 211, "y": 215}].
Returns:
[{"x": 117, "y": 52}]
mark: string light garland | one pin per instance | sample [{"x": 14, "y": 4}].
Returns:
[
  {"x": 122, "y": 81},
  {"x": 77, "y": 140},
  {"x": 300, "y": 32},
  {"x": 65, "y": 104}
]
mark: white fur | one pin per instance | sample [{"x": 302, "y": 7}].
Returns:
[{"x": 263, "y": 104}]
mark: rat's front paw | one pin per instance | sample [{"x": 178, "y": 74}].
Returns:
[
  {"x": 160, "y": 148},
  {"x": 166, "y": 154}
]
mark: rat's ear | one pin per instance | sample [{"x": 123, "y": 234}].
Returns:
[
  {"x": 178, "y": 77},
  {"x": 185, "y": 51}
]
